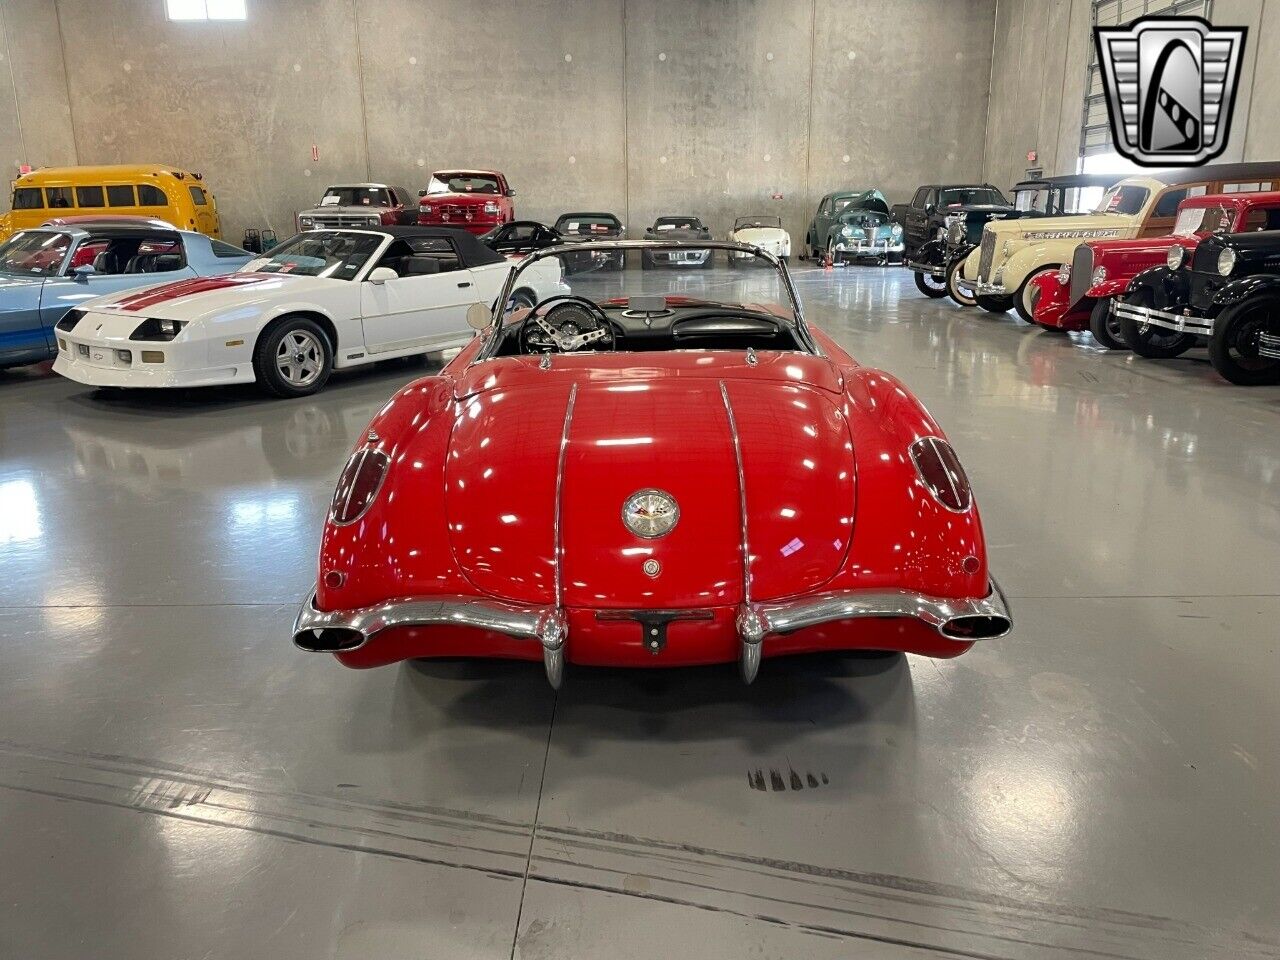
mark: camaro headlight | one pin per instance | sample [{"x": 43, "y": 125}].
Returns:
[
  {"x": 1173, "y": 259},
  {"x": 155, "y": 328},
  {"x": 1064, "y": 274},
  {"x": 1099, "y": 276},
  {"x": 1226, "y": 262}
]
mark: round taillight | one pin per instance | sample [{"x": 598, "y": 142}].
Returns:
[
  {"x": 359, "y": 484},
  {"x": 940, "y": 471}
]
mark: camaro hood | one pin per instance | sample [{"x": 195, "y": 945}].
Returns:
[
  {"x": 632, "y": 432},
  {"x": 200, "y": 297}
]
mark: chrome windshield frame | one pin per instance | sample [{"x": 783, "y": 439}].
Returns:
[{"x": 494, "y": 337}]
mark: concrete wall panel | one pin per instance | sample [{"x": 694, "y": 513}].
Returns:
[
  {"x": 35, "y": 114},
  {"x": 241, "y": 102}
]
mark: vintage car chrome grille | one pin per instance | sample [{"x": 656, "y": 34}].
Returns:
[
  {"x": 988, "y": 254},
  {"x": 1081, "y": 273},
  {"x": 1269, "y": 345},
  {"x": 337, "y": 220}
]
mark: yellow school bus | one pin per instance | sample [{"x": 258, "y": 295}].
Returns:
[{"x": 135, "y": 190}]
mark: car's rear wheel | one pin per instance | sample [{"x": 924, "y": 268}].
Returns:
[
  {"x": 1023, "y": 300},
  {"x": 929, "y": 285},
  {"x": 293, "y": 358},
  {"x": 1106, "y": 327},
  {"x": 1233, "y": 348},
  {"x": 954, "y": 291},
  {"x": 994, "y": 304}
]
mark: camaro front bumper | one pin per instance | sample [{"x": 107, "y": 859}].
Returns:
[
  {"x": 101, "y": 362},
  {"x": 756, "y": 625},
  {"x": 1180, "y": 322}
]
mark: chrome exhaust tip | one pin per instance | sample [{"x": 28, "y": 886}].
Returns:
[
  {"x": 328, "y": 639},
  {"x": 976, "y": 627}
]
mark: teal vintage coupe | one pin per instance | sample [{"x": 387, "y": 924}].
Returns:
[{"x": 854, "y": 225}]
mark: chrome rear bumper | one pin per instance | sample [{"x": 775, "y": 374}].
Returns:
[
  {"x": 963, "y": 620},
  {"x": 1163, "y": 318},
  {"x": 1269, "y": 345}
]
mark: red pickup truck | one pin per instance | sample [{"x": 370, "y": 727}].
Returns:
[
  {"x": 471, "y": 200},
  {"x": 1079, "y": 297}
]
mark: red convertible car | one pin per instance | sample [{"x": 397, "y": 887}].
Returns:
[
  {"x": 1079, "y": 297},
  {"x": 651, "y": 480}
]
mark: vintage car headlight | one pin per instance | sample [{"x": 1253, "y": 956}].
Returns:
[
  {"x": 896, "y": 232},
  {"x": 359, "y": 485},
  {"x": 491, "y": 207},
  {"x": 306, "y": 223},
  {"x": 1173, "y": 259},
  {"x": 1099, "y": 276},
  {"x": 1226, "y": 262},
  {"x": 846, "y": 231},
  {"x": 155, "y": 328},
  {"x": 940, "y": 471},
  {"x": 1064, "y": 274}
]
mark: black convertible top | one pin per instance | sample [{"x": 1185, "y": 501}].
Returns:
[{"x": 471, "y": 252}]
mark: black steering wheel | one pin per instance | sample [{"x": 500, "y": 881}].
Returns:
[{"x": 565, "y": 324}]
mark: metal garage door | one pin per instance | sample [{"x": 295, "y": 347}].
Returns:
[{"x": 1095, "y": 137}]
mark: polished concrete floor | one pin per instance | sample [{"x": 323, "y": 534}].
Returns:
[{"x": 177, "y": 781}]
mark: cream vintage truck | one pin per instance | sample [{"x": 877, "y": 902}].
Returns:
[{"x": 1014, "y": 252}]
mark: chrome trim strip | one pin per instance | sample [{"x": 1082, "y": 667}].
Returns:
[
  {"x": 750, "y": 628},
  {"x": 1269, "y": 345},
  {"x": 513, "y": 620},
  {"x": 1163, "y": 318},
  {"x": 934, "y": 271},
  {"x": 983, "y": 289},
  {"x": 790, "y": 615},
  {"x": 557, "y": 544}
]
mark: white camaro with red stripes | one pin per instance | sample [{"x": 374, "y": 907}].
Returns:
[{"x": 322, "y": 300}]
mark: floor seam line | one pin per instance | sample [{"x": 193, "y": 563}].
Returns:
[{"x": 533, "y": 832}]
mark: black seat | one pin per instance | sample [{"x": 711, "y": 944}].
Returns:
[{"x": 419, "y": 266}]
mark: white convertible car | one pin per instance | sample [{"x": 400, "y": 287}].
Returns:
[
  {"x": 763, "y": 232},
  {"x": 322, "y": 300}
]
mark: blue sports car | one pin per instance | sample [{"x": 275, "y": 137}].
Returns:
[{"x": 46, "y": 271}]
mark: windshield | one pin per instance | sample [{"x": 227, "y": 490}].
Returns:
[
  {"x": 677, "y": 223},
  {"x": 1204, "y": 220},
  {"x": 576, "y": 223},
  {"x": 447, "y": 181},
  {"x": 319, "y": 253},
  {"x": 859, "y": 201},
  {"x": 1128, "y": 200},
  {"x": 980, "y": 195},
  {"x": 746, "y": 223},
  {"x": 356, "y": 197},
  {"x": 668, "y": 296},
  {"x": 34, "y": 253}
]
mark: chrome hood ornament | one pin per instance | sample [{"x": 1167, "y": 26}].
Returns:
[{"x": 650, "y": 513}]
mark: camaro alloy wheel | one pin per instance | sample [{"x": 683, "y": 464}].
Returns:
[
  {"x": 1106, "y": 326},
  {"x": 1234, "y": 345},
  {"x": 293, "y": 359},
  {"x": 954, "y": 290}
]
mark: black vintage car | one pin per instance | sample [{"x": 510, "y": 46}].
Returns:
[
  {"x": 963, "y": 223},
  {"x": 924, "y": 223},
  {"x": 1228, "y": 290}
]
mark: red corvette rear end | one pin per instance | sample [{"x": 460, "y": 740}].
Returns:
[
  {"x": 471, "y": 200},
  {"x": 656, "y": 509}
]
